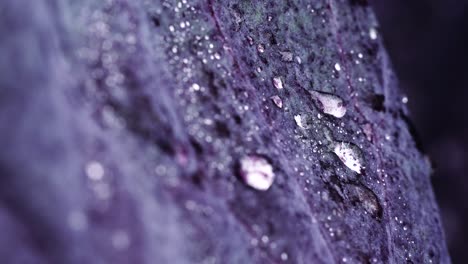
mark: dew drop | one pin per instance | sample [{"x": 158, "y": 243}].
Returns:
[
  {"x": 366, "y": 198},
  {"x": 350, "y": 155},
  {"x": 337, "y": 67},
  {"x": 284, "y": 256},
  {"x": 195, "y": 87},
  {"x": 278, "y": 83},
  {"x": 257, "y": 172},
  {"x": 95, "y": 170},
  {"x": 404, "y": 99},
  {"x": 277, "y": 101},
  {"x": 260, "y": 48},
  {"x": 373, "y": 33},
  {"x": 329, "y": 104},
  {"x": 299, "y": 60},
  {"x": 303, "y": 121}
]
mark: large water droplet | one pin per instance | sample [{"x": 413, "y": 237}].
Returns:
[
  {"x": 277, "y": 101},
  {"x": 257, "y": 172},
  {"x": 278, "y": 83},
  {"x": 329, "y": 103},
  {"x": 350, "y": 155},
  {"x": 366, "y": 198}
]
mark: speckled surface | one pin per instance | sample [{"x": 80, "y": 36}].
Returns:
[{"x": 123, "y": 124}]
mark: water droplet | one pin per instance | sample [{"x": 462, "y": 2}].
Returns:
[
  {"x": 404, "y": 99},
  {"x": 257, "y": 172},
  {"x": 373, "y": 33},
  {"x": 95, "y": 170},
  {"x": 250, "y": 40},
  {"x": 195, "y": 87},
  {"x": 337, "y": 67},
  {"x": 329, "y": 104},
  {"x": 284, "y": 256},
  {"x": 366, "y": 197},
  {"x": 350, "y": 155},
  {"x": 278, "y": 83},
  {"x": 277, "y": 101},
  {"x": 260, "y": 48},
  {"x": 303, "y": 121}
]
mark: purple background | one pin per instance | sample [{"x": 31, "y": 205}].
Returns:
[{"x": 427, "y": 42}]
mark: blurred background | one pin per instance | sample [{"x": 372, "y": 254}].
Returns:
[{"x": 428, "y": 44}]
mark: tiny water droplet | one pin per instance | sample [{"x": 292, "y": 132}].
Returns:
[
  {"x": 278, "y": 83},
  {"x": 257, "y": 172},
  {"x": 329, "y": 104},
  {"x": 350, "y": 155},
  {"x": 277, "y": 101},
  {"x": 284, "y": 256}
]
